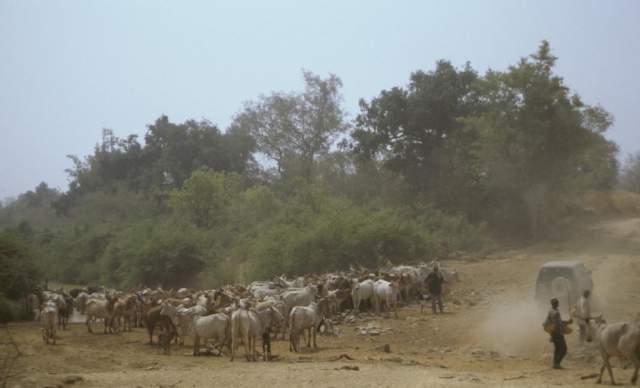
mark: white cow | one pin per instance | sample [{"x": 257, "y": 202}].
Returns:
[
  {"x": 182, "y": 317},
  {"x": 260, "y": 290},
  {"x": 386, "y": 293},
  {"x": 303, "y": 318},
  {"x": 360, "y": 292},
  {"x": 214, "y": 326},
  {"x": 299, "y": 297},
  {"x": 81, "y": 301},
  {"x": 248, "y": 325},
  {"x": 49, "y": 319},
  {"x": 101, "y": 308},
  {"x": 616, "y": 340}
]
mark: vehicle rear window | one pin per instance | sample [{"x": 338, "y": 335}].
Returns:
[{"x": 547, "y": 274}]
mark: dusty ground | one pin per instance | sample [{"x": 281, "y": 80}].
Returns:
[{"x": 491, "y": 335}]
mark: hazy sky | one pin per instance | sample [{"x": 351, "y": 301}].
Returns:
[{"x": 70, "y": 68}]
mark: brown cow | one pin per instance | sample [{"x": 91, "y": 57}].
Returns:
[{"x": 153, "y": 318}]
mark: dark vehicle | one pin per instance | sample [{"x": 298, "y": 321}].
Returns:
[{"x": 565, "y": 280}]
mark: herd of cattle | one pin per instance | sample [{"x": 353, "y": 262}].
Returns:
[
  {"x": 238, "y": 314},
  {"x": 242, "y": 314}
]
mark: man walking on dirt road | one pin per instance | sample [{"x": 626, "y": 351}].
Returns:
[
  {"x": 434, "y": 283},
  {"x": 556, "y": 327}
]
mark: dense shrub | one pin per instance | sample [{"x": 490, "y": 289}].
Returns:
[
  {"x": 318, "y": 232},
  {"x": 149, "y": 253},
  {"x": 19, "y": 275}
]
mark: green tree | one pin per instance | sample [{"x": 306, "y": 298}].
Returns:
[
  {"x": 630, "y": 174},
  {"x": 174, "y": 151},
  {"x": 19, "y": 275},
  {"x": 153, "y": 253},
  {"x": 415, "y": 131},
  {"x": 206, "y": 197},
  {"x": 293, "y": 129},
  {"x": 170, "y": 154},
  {"x": 32, "y": 207},
  {"x": 536, "y": 140}
]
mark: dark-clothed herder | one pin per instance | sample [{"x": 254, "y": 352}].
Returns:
[
  {"x": 557, "y": 335},
  {"x": 434, "y": 282}
]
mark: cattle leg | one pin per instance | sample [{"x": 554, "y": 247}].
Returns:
[
  {"x": 636, "y": 364},
  {"x": 254, "y": 352},
  {"x": 252, "y": 348},
  {"x": 150, "y": 331},
  {"x": 245, "y": 340},
  {"x": 196, "y": 345},
  {"x": 315, "y": 345},
  {"x": 613, "y": 381},
  {"x": 266, "y": 345},
  {"x": 269, "y": 349},
  {"x": 233, "y": 347},
  {"x": 605, "y": 359},
  {"x": 296, "y": 341},
  {"x": 291, "y": 341},
  {"x": 599, "y": 381}
]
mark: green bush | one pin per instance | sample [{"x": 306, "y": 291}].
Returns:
[
  {"x": 257, "y": 233},
  {"x": 10, "y": 310},
  {"x": 19, "y": 275},
  {"x": 168, "y": 254},
  {"x": 315, "y": 232}
]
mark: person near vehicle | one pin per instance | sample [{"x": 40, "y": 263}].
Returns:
[
  {"x": 556, "y": 328},
  {"x": 583, "y": 313},
  {"x": 434, "y": 282}
]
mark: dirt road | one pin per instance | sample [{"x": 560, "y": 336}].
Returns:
[{"x": 490, "y": 336}]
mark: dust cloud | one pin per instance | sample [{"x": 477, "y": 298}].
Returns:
[
  {"x": 513, "y": 327},
  {"x": 615, "y": 291}
]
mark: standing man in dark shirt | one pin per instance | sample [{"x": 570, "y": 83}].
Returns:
[
  {"x": 554, "y": 319},
  {"x": 434, "y": 283}
]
